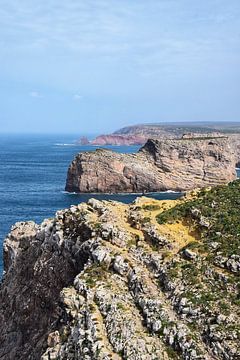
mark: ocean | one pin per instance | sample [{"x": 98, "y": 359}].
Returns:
[{"x": 33, "y": 172}]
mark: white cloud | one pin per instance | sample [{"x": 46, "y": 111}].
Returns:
[
  {"x": 77, "y": 97},
  {"x": 35, "y": 94},
  {"x": 141, "y": 34}
]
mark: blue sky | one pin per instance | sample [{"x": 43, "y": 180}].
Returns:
[{"x": 90, "y": 66}]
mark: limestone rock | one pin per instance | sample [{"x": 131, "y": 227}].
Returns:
[
  {"x": 178, "y": 165},
  {"x": 97, "y": 283}
]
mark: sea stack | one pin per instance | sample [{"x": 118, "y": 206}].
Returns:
[{"x": 176, "y": 164}]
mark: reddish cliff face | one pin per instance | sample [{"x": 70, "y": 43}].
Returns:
[
  {"x": 159, "y": 165},
  {"x": 119, "y": 140}
]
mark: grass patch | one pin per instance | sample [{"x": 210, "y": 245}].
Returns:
[{"x": 220, "y": 206}]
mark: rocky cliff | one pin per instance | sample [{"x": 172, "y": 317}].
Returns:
[
  {"x": 139, "y": 134},
  {"x": 103, "y": 280},
  {"x": 179, "y": 128},
  {"x": 119, "y": 140},
  {"x": 158, "y": 166}
]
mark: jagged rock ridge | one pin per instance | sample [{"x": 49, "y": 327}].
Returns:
[
  {"x": 178, "y": 165},
  {"x": 115, "y": 139},
  {"x": 104, "y": 280}
]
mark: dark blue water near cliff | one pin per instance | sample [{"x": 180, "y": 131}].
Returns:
[{"x": 32, "y": 178}]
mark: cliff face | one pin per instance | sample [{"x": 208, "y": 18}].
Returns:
[
  {"x": 235, "y": 140},
  {"x": 158, "y": 166},
  {"x": 37, "y": 268},
  {"x": 119, "y": 140},
  {"x": 148, "y": 130},
  {"x": 158, "y": 131},
  {"x": 139, "y": 134},
  {"x": 180, "y": 128},
  {"x": 104, "y": 280}
]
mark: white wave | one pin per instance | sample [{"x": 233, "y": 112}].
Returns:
[
  {"x": 65, "y": 144},
  {"x": 123, "y": 193},
  {"x": 69, "y": 193},
  {"x": 171, "y": 191}
]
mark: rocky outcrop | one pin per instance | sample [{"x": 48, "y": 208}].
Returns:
[
  {"x": 142, "y": 137},
  {"x": 134, "y": 135},
  {"x": 104, "y": 280},
  {"x": 36, "y": 270},
  {"x": 149, "y": 130},
  {"x": 83, "y": 141},
  {"x": 139, "y": 134},
  {"x": 114, "y": 139},
  {"x": 178, "y": 165},
  {"x": 177, "y": 129}
]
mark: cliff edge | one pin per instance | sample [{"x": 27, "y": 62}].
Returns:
[
  {"x": 104, "y": 280},
  {"x": 179, "y": 165}
]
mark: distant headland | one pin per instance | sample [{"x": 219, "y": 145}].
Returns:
[{"x": 139, "y": 134}]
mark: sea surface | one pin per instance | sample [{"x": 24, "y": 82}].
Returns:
[{"x": 33, "y": 172}]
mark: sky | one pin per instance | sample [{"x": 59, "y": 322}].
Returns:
[{"x": 93, "y": 66}]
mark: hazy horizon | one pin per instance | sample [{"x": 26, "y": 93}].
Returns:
[
  {"x": 78, "y": 134},
  {"x": 94, "y": 66}
]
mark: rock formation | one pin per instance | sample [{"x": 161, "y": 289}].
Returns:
[
  {"x": 177, "y": 129},
  {"x": 158, "y": 166},
  {"x": 139, "y": 134},
  {"x": 84, "y": 141},
  {"x": 104, "y": 280},
  {"x": 119, "y": 140}
]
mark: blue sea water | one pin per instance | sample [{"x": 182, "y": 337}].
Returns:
[{"x": 32, "y": 178}]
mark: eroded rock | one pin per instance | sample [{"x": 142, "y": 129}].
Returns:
[{"x": 179, "y": 165}]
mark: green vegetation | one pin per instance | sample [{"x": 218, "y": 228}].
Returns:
[
  {"x": 94, "y": 274},
  {"x": 120, "y": 306},
  {"x": 172, "y": 353},
  {"x": 213, "y": 216},
  {"x": 146, "y": 220},
  {"x": 220, "y": 207},
  {"x": 97, "y": 226},
  {"x": 151, "y": 207},
  {"x": 197, "y": 138}
]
